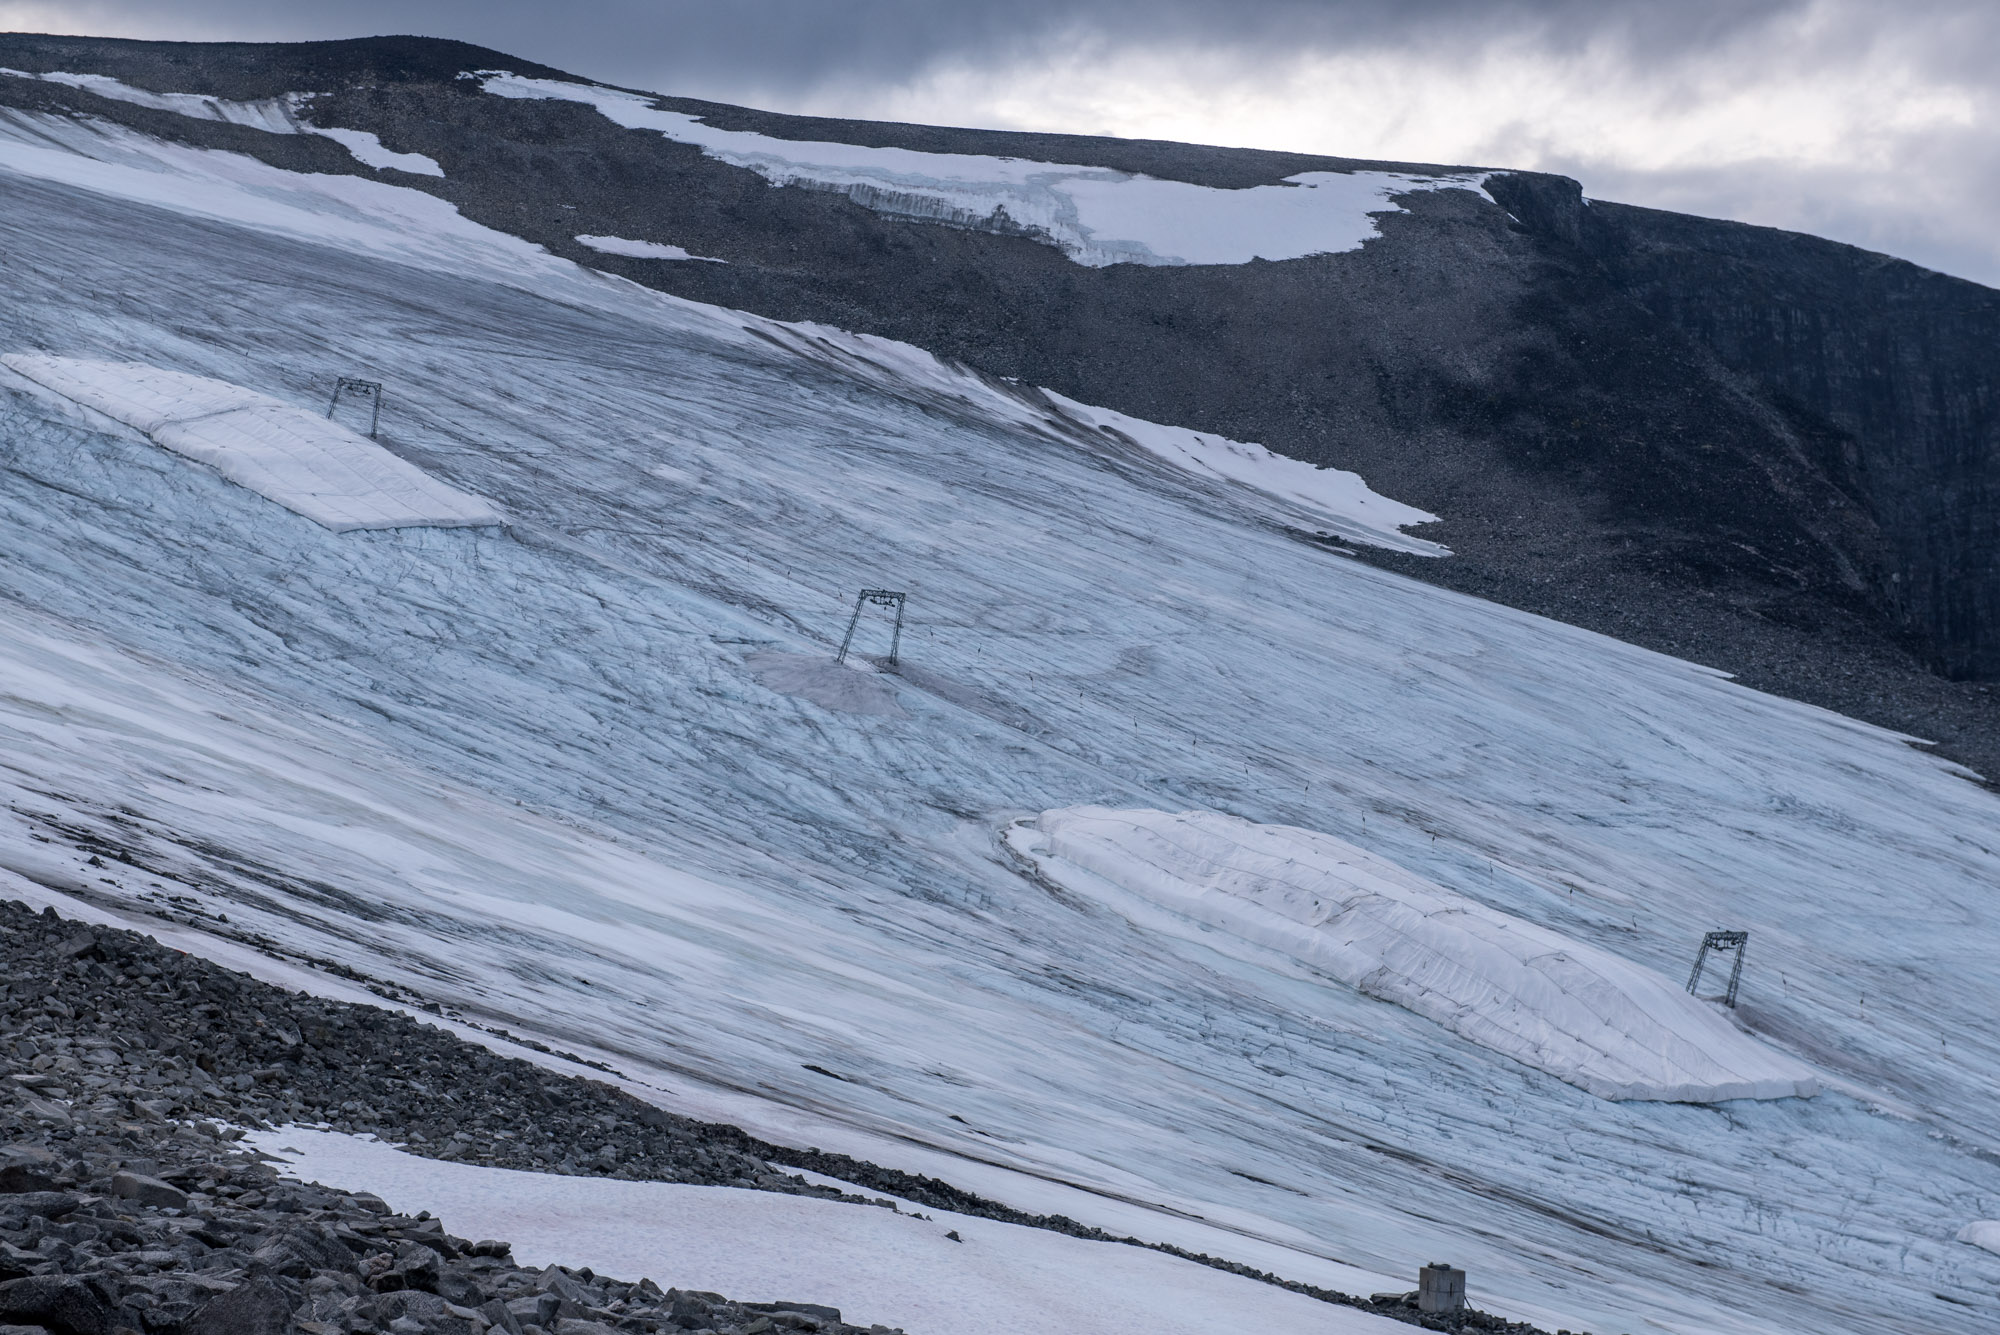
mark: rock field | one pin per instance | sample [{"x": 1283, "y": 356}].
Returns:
[{"x": 126, "y": 1208}]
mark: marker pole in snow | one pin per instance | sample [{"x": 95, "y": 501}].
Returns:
[
  {"x": 372, "y": 388},
  {"x": 1735, "y": 943},
  {"x": 885, "y": 598}
]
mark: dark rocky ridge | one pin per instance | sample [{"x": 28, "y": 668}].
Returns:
[
  {"x": 1765, "y": 452},
  {"x": 122, "y": 1050}
]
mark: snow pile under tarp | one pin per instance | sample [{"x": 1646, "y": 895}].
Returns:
[
  {"x": 276, "y": 115},
  {"x": 1096, "y": 215},
  {"x": 301, "y": 460},
  {"x": 1612, "y": 1027},
  {"x": 1982, "y": 1233},
  {"x": 642, "y": 250}
]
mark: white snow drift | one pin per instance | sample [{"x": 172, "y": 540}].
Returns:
[
  {"x": 1097, "y": 216},
  {"x": 1580, "y": 1013},
  {"x": 304, "y": 462},
  {"x": 875, "y": 1264},
  {"x": 642, "y": 250},
  {"x": 276, "y": 115},
  {"x": 1341, "y": 498}
]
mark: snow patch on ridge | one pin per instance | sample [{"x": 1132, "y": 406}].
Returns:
[
  {"x": 1603, "y": 1023},
  {"x": 308, "y": 464},
  {"x": 642, "y": 250},
  {"x": 1095, "y": 215},
  {"x": 276, "y": 115},
  {"x": 1339, "y": 496}
]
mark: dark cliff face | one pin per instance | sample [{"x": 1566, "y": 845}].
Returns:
[
  {"x": 1766, "y": 452},
  {"x": 1887, "y": 369}
]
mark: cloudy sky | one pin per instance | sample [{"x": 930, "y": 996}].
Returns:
[{"x": 1870, "y": 121}]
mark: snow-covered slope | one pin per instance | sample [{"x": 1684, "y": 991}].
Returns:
[
  {"x": 1096, "y": 216},
  {"x": 1582, "y": 1014},
  {"x": 547, "y": 777}
]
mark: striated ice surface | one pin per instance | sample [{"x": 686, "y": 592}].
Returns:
[
  {"x": 1095, "y": 215},
  {"x": 1582, "y": 1014},
  {"x": 532, "y": 775}
]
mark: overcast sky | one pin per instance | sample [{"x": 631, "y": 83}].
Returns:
[{"x": 1870, "y": 121}]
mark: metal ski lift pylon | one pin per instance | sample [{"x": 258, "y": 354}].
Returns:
[
  {"x": 1721, "y": 943},
  {"x": 372, "y": 388},
  {"x": 884, "y": 598}
]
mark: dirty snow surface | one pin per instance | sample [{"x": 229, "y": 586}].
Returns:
[
  {"x": 876, "y": 1265},
  {"x": 533, "y": 776},
  {"x": 304, "y": 461},
  {"x": 1586, "y": 1015},
  {"x": 1095, "y": 215}
]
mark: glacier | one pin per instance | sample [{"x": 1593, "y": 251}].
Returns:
[{"x": 539, "y": 778}]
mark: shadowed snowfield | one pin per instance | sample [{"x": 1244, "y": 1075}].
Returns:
[{"x": 572, "y": 777}]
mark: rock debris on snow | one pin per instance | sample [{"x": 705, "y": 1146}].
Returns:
[{"x": 125, "y": 1207}]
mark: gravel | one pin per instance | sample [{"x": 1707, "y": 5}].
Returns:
[{"x": 126, "y": 1207}]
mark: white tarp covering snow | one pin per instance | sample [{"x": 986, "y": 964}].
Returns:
[
  {"x": 642, "y": 250},
  {"x": 277, "y": 115},
  {"x": 303, "y": 461},
  {"x": 875, "y": 1264},
  {"x": 1982, "y": 1233},
  {"x": 1097, "y": 216},
  {"x": 1582, "y": 1014}
]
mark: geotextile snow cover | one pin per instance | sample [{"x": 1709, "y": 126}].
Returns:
[
  {"x": 1612, "y": 1027},
  {"x": 307, "y": 463}
]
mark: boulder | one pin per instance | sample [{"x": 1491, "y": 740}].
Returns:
[
  {"x": 257, "y": 1306},
  {"x": 148, "y": 1191},
  {"x": 61, "y": 1303}
]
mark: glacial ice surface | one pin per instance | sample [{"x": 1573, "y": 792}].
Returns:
[{"x": 530, "y": 774}]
